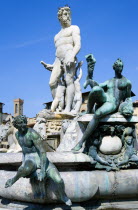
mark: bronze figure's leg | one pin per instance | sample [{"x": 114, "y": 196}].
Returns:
[
  {"x": 105, "y": 109},
  {"x": 96, "y": 95},
  {"x": 55, "y": 176},
  {"x": 23, "y": 171}
]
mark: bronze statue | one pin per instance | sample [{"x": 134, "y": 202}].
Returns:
[
  {"x": 130, "y": 154},
  {"x": 90, "y": 67},
  {"x": 105, "y": 98},
  {"x": 34, "y": 157}
]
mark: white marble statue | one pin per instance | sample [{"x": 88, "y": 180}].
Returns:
[
  {"x": 7, "y": 131},
  {"x": 77, "y": 101},
  {"x": 68, "y": 44},
  {"x": 59, "y": 100},
  {"x": 40, "y": 127}
]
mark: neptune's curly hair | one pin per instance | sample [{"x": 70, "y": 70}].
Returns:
[
  {"x": 19, "y": 119},
  {"x": 61, "y": 9}
]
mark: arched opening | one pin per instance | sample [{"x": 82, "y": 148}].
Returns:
[{"x": 16, "y": 108}]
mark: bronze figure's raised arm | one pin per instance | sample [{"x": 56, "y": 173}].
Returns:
[{"x": 90, "y": 67}]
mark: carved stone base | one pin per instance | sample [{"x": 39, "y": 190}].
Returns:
[
  {"x": 80, "y": 186},
  {"x": 124, "y": 204},
  {"x": 113, "y": 144}
]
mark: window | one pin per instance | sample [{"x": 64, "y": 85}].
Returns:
[{"x": 16, "y": 108}]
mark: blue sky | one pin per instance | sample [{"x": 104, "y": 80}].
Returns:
[{"x": 109, "y": 29}]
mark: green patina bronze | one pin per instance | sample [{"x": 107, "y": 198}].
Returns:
[
  {"x": 35, "y": 164},
  {"x": 90, "y": 66},
  {"x": 106, "y": 98}
]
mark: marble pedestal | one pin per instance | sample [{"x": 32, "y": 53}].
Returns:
[
  {"x": 81, "y": 185},
  {"x": 76, "y": 128}
]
